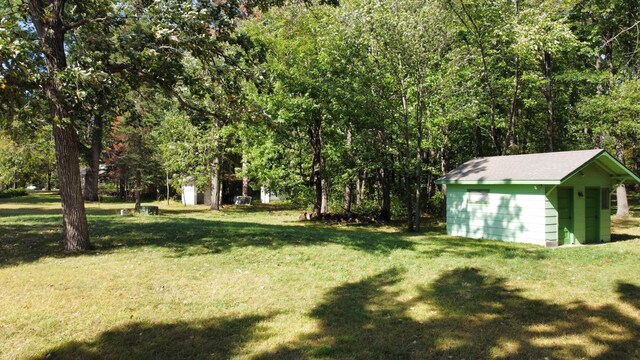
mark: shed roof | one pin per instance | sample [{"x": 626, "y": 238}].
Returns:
[{"x": 543, "y": 168}]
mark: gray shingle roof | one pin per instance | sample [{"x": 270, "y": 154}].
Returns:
[{"x": 544, "y": 167}]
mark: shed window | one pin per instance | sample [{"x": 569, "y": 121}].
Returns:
[
  {"x": 604, "y": 199},
  {"x": 478, "y": 196}
]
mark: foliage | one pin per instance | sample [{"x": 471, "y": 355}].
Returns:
[
  {"x": 358, "y": 101},
  {"x": 9, "y": 193}
]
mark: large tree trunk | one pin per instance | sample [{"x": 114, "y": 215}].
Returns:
[
  {"x": 92, "y": 176},
  {"x": 548, "y": 94},
  {"x": 47, "y": 20},
  {"x": 76, "y": 229},
  {"x": 621, "y": 199}
]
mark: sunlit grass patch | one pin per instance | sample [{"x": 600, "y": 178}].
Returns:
[{"x": 256, "y": 283}]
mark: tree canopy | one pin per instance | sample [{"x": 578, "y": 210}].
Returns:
[{"x": 357, "y": 105}]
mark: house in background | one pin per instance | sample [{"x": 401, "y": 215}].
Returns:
[{"x": 547, "y": 199}]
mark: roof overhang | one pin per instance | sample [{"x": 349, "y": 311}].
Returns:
[
  {"x": 609, "y": 164},
  {"x": 497, "y": 182}
]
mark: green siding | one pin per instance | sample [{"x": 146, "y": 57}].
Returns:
[
  {"x": 551, "y": 220},
  {"x": 512, "y": 213},
  {"x": 590, "y": 176},
  {"x": 566, "y": 221}
]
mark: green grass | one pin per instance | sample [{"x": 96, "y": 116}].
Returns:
[{"x": 255, "y": 283}]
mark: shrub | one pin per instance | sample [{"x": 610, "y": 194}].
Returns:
[{"x": 9, "y": 193}]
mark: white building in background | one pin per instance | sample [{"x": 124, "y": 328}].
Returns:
[
  {"x": 266, "y": 196},
  {"x": 189, "y": 194}
]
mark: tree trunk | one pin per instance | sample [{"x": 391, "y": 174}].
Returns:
[
  {"x": 621, "y": 199},
  {"x": 48, "y": 178},
  {"x": 47, "y": 20},
  {"x": 548, "y": 94},
  {"x": 215, "y": 183},
  {"x": 511, "y": 137},
  {"x": 485, "y": 76},
  {"x": 385, "y": 187},
  {"x": 361, "y": 186},
  {"x": 137, "y": 183},
  {"x": 316, "y": 167},
  {"x": 92, "y": 176},
  {"x": 621, "y": 191},
  {"x": 443, "y": 170},
  {"x": 634, "y": 150},
  {"x": 479, "y": 149},
  {"x": 168, "y": 193},
  {"x": 76, "y": 229},
  {"x": 324, "y": 208},
  {"x": 122, "y": 187},
  {"x": 348, "y": 188},
  {"x": 216, "y": 169},
  {"x": 634, "y": 154},
  {"x": 418, "y": 212},
  {"x": 348, "y": 197},
  {"x": 245, "y": 179},
  {"x": 511, "y": 132},
  {"x": 407, "y": 177}
]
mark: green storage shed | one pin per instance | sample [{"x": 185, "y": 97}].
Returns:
[{"x": 547, "y": 199}]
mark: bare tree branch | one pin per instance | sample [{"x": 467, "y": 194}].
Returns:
[
  {"x": 79, "y": 23},
  {"x": 620, "y": 33}
]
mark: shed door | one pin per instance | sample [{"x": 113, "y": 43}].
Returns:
[
  {"x": 565, "y": 215},
  {"x": 592, "y": 215}
]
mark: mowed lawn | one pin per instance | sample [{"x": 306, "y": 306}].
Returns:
[{"x": 255, "y": 283}]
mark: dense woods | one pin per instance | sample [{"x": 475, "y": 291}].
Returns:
[{"x": 356, "y": 106}]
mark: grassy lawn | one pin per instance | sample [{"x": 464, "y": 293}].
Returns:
[{"x": 256, "y": 283}]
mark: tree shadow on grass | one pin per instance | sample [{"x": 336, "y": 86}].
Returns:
[
  {"x": 466, "y": 315},
  {"x": 188, "y": 236},
  {"x": 217, "y": 338},
  {"x": 473, "y": 248},
  {"x": 630, "y": 294},
  {"x": 192, "y": 236},
  {"x": 184, "y": 236}
]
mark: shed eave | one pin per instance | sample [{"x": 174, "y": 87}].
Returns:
[
  {"x": 618, "y": 170},
  {"x": 497, "y": 182}
]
